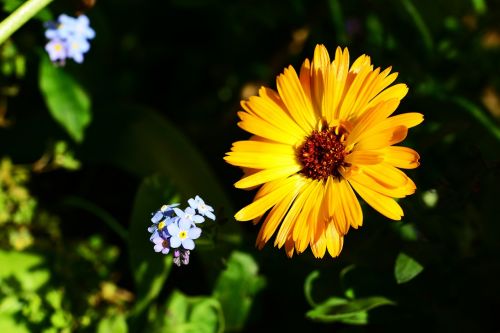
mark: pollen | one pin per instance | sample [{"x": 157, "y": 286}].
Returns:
[
  {"x": 182, "y": 234},
  {"x": 323, "y": 152}
]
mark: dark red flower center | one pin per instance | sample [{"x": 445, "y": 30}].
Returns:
[{"x": 323, "y": 152}]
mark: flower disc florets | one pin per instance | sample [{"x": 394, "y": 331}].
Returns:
[{"x": 323, "y": 152}]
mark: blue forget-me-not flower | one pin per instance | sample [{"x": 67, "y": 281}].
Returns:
[
  {"x": 68, "y": 38},
  {"x": 176, "y": 229}
]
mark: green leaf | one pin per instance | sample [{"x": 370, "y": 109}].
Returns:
[
  {"x": 29, "y": 269},
  {"x": 406, "y": 268},
  {"x": 207, "y": 316},
  {"x": 12, "y": 325},
  {"x": 145, "y": 143},
  {"x": 190, "y": 315},
  {"x": 177, "y": 310},
  {"x": 113, "y": 324},
  {"x": 480, "y": 6},
  {"x": 66, "y": 100},
  {"x": 150, "y": 269},
  {"x": 336, "y": 309},
  {"x": 236, "y": 287}
]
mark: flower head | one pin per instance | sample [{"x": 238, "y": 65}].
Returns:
[
  {"x": 203, "y": 209},
  {"x": 324, "y": 135},
  {"x": 183, "y": 233},
  {"x": 76, "y": 48},
  {"x": 161, "y": 244},
  {"x": 174, "y": 228},
  {"x": 189, "y": 215},
  {"x": 56, "y": 50},
  {"x": 72, "y": 34},
  {"x": 161, "y": 219}
]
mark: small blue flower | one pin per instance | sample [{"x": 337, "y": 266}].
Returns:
[
  {"x": 175, "y": 229},
  {"x": 189, "y": 215},
  {"x": 161, "y": 219},
  {"x": 56, "y": 50},
  {"x": 76, "y": 48},
  {"x": 203, "y": 209},
  {"x": 82, "y": 27},
  {"x": 161, "y": 245},
  {"x": 73, "y": 34},
  {"x": 183, "y": 234}
]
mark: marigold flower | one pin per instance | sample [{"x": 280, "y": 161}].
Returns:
[{"x": 324, "y": 135}]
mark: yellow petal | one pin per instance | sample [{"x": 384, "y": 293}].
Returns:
[
  {"x": 296, "y": 101},
  {"x": 365, "y": 157},
  {"x": 353, "y": 92},
  {"x": 407, "y": 120},
  {"x": 307, "y": 208},
  {"x": 318, "y": 245},
  {"x": 382, "y": 139},
  {"x": 319, "y": 72},
  {"x": 340, "y": 219},
  {"x": 261, "y": 205},
  {"x": 274, "y": 218},
  {"x": 334, "y": 241},
  {"x": 305, "y": 80},
  {"x": 387, "y": 175},
  {"x": 372, "y": 183},
  {"x": 293, "y": 214},
  {"x": 361, "y": 62},
  {"x": 364, "y": 125},
  {"x": 381, "y": 203},
  {"x": 339, "y": 71},
  {"x": 260, "y": 160},
  {"x": 397, "y": 91},
  {"x": 350, "y": 205},
  {"x": 381, "y": 81},
  {"x": 253, "y": 146},
  {"x": 269, "y": 107},
  {"x": 260, "y": 127},
  {"x": 312, "y": 231},
  {"x": 363, "y": 96},
  {"x": 401, "y": 157},
  {"x": 267, "y": 175}
]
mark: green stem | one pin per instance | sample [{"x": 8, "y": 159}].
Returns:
[
  {"x": 419, "y": 23},
  {"x": 20, "y": 16},
  {"x": 106, "y": 217},
  {"x": 480, "y": 115}
]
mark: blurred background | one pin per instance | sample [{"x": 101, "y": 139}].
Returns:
[{"x": 88, "y": 151}]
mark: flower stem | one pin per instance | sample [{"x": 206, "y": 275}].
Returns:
[
  {"x": 419, "y": 23},
  {"x": 20, "y": 16}
]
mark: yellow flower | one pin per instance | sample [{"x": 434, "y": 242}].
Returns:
[{"x": 325, "y": 134}]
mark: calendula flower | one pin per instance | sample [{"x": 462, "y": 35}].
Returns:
[{"x": 326, "y": 134}]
